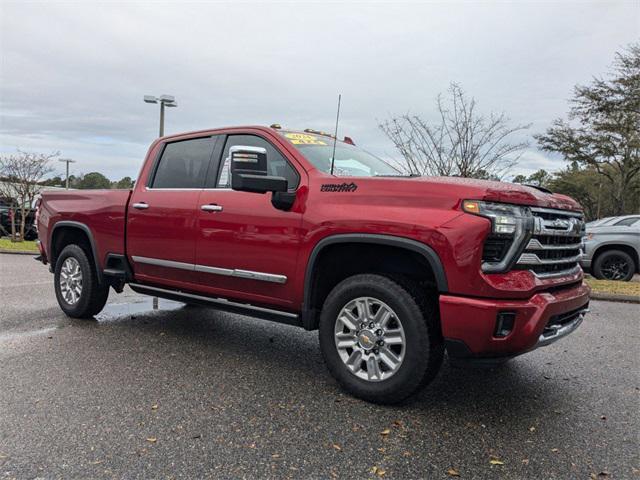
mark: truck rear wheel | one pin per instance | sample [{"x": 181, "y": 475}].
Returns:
[
  {"x": 76, "y": 284},
  {"x": 380, "y": 338}
]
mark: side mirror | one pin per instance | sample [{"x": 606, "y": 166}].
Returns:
[{"x": 249, "y": 171}]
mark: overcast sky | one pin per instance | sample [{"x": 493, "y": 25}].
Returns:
[{"x": 73, "y": 74}]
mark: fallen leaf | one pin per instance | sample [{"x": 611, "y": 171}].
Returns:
[
  {"x": 337, "y": 447},
  {"x": 275, "y": 455},
  {"x": 397, "y": 423},
  {"x": 532, "y": 429},
  {"x": 452, "y": 472},
  {"x": 604, "y": 474},
  {"x": 152, "y": 439},
  {"x": 384, "y": 432},
  {"x": 496, "y": 461},
  {"x": 382, "y": 449},
  {"x": 378, "y": 471},
  {"x": 555, "y": 450},
  {"x": 525, "y": 461},
  {"x": 603, "y": 417},
  {"x": 154, "y": 407},
  {"x": 97, "y": 462}
]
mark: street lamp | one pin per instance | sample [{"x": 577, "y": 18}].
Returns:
[
  {"x": 67, "y": 161},
  {"x": 165, "y": 101}
]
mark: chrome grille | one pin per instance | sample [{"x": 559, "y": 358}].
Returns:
[{"x": 555, "y": 247}]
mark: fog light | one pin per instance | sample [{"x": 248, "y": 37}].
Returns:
[{"x": 504, "y": 324}]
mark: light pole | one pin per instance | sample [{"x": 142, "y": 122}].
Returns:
[
  {"x": 67, "y": 161},
  {"x": 165, "y": 101}
]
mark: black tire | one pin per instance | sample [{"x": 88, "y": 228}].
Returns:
[
  {"x": 424, "y": 346},
  {"x": 614, "y": 265},
  {"x": 93, "y": 295}
]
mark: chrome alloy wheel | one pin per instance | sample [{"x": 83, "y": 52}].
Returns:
[
  {"x": 370, "y": 339},
  {"x": 71, "y": 281}
]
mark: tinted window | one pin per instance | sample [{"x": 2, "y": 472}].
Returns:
[
  {"x": 184, "y": 164},
  {"x": 277, "y": 165},
  {"x": 627, "y": 222}
]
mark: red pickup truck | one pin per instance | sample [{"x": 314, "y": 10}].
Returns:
[{"x": 301, "y": 228}]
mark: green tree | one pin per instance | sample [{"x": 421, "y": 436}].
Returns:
[
  {"x": 602, "y": 132},
  {"x": 56, "y": 181},
  {"x": 92, "y": 180},
  {"x": 125, "y": 183},
  {"x": 541, "y": 178}
]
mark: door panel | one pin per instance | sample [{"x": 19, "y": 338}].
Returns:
[
  {"x": 249, "y": 249},
  {"x": 162, "y": 215},
  {"x": 163, "y": 231}
]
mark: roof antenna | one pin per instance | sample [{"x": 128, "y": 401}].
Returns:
[{"x": 335, "y": 136}]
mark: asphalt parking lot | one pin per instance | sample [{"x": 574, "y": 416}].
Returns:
[{"x": 192, "y": 393}]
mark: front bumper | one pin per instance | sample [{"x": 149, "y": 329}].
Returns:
[{"x": 469, "y": 325}]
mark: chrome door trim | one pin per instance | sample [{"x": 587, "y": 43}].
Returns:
[
  {"x": 140, "y": 205},
  {"x": 218, "y": 300},
  {"x": 226, "y": 272},
  {"x": 265, "y": 277},
  {"x": 163, "y": 263}
]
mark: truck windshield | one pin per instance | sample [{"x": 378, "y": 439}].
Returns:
[{"x": 350, "y": 160}]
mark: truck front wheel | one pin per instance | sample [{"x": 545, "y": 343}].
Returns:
[
  {"x": 380, "y": 338},
  {"x": 78, "y": 291}
]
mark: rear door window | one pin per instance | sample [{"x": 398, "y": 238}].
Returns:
[{"x": 184, "y": 164}]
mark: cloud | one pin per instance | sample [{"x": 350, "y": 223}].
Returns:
[{"x": 73, "y": 75}]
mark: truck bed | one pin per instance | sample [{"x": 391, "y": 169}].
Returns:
[{"x": 102, "y": 211}]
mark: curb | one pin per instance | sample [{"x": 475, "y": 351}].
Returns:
[
  {"x": 613, "y": 297},
  {"x": 20, "y": 252}
]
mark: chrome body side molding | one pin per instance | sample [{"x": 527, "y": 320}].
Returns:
[{"x": 227, "y": 272}]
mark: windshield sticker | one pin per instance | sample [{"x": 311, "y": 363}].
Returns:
[
  {"x": 338, "y": 187},
  {"x": 304, "y": 139}
]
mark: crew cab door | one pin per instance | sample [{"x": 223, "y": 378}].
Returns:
[
  {"x": 162, "y": 213},
  {"x": 246, "y": 248}
]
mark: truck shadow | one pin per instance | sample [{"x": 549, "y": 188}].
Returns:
[{"x": 275, "y": 354}]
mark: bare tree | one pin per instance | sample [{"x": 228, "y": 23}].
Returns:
[
  {"x": 462, "y": 142},
  {"x": 20, "y": 175}
]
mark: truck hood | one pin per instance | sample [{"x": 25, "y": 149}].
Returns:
[{"x": 469, "y": 188}]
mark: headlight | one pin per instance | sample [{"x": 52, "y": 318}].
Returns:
[
  {"x": 504, "y": 217},
  {"x": 511, "y": 228}
]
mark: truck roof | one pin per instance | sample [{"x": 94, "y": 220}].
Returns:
[{"x": 272, "y": 127}]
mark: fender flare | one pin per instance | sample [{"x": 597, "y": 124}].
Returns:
[
  {"x": 87, "y": 231},
  {"x": 308, "y": 316}
]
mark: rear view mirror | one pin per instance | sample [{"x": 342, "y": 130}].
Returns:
[{"x": 249, "y": 171}]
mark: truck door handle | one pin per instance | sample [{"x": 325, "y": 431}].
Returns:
[
  {"x": 211, "y": 208},
  {"x": 141, "y": 206}
]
